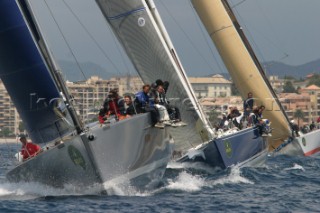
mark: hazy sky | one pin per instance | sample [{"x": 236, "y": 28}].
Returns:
[{"x": 279, "y": 30}]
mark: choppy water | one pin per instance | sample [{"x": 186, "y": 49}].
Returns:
[{"x": 283, "y": 185}]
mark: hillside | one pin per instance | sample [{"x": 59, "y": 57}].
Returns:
[
  {"x": 72, "y": 72},
  {"x": 281, "y": 69}
]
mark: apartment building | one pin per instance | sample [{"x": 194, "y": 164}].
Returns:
[
  {"x": 292, "y": 101},
  {"x": 211, "y": 87},
  {"x": 89, "y": 95},
  {"x": 314, "y": 93},
  {"x": 9, "y": 117}
]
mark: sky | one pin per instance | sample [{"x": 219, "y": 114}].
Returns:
[{"x": 287, "y": 31}]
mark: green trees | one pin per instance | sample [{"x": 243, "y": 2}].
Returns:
[
  {"x": 288, "y": 87},
  {"x": 213, "y": 117},
  {"x": 299, "y": 115},
  {"x": 314, "y": 80},
  {"x": 5, "y": 132}
]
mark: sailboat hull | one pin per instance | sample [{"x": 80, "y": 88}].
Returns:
[
  {"x": 233, "y": 149},
  {"x": 306, "y": 145},
  {"x": 129, "y": 152}
]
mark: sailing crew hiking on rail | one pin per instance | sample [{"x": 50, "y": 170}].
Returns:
[
  {"x": 151, "y": 99},
  {"x": 169, "y": 115},
  {"x": 111, "y": 109},
  {"x": 237, "y": 120}
]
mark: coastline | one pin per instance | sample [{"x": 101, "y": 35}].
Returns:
[{"x": 8, "y": 140}]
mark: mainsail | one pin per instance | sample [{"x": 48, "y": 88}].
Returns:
[
  {"x": 139, "y": 28},
  {"x": 27, "y": 78},
  {"x": 241, "y": 62}
]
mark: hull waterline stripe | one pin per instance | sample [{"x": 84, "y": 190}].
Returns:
[
  {"x": 312, "y": 152},
  {"x": 126, "y": 13}
]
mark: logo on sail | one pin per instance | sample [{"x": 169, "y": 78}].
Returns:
[
  {"x": 76, "y": 157},
  {"x": 141, "y": 21},
  {"x": 228, "y": 148}
]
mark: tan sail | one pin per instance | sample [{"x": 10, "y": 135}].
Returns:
[{"x": 242, "y": 65}]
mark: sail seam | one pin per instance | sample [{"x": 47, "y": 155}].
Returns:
[
  {"x": 223, "y": 28},
  {"x": 126, "y": 13},
  {"x": 12, "y": 28},
  {"x": 22, "y": 70}
]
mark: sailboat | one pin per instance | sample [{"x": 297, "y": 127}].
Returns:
[
  {"x": 248, "y": 75},
  {"x": 128, "y": 152},
  {"x": 139, "y": 28}
]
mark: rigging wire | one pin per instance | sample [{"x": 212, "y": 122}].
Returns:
[
  {"x": 249, "y": 34},
  {"x": 186, "y": 35},
  {"x": 65, "y": 40},
  {"x": 243, "y": 25},
  {"x": 92, "y": 37},
  {"x": 119, "y": 49},
  {"x": 274, "y": 31},
  {"x": 237, "y": 4},
  {"x": 205, "y": 37}
]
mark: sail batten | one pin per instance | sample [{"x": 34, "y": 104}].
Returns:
[
  {"x": 126, "y": 13},
  {"x": 241, "y": 63}
]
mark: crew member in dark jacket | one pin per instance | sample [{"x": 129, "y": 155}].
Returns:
[{"x": 129, "y": 108}]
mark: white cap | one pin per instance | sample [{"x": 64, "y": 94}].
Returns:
[{"x": 292, "y": 121}]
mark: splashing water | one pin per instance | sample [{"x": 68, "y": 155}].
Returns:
[
  {"x": 233, "y": 178},
  {"x": 194, "y": 165},
  {"x": 295, "y": 167},
  {"x": 186, "y": 182},
  {"x": 30, "y": 190}
]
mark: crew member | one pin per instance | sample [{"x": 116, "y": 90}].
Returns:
[
  {"x": 248, "y": 105},
  {"x": 28, "y": 149},
  {"x": 129, "y": 108}
]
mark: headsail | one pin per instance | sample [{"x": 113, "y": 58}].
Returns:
[
  {"x": 25, "y": 75},
  {"x": 139, "y": 29},
  {"x": 241, "y": 62}
]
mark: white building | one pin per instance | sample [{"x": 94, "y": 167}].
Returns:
[{"x": 211, "y": 87}]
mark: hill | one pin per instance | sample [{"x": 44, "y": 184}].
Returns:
[
  {"x": 281, "y": 69},
  {"x": 301, "y": 71},
  {"x": 72, "y": 72}
]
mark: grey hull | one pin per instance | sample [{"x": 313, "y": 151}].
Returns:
[{"x": 129, "y": 152}]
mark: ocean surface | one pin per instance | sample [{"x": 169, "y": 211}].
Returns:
[{"x": 284, "y": 184}]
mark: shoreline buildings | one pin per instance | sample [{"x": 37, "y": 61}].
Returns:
[{"x": 214, "y": 93}]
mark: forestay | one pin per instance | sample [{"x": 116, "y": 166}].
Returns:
[{"x": 139, "y": 28}]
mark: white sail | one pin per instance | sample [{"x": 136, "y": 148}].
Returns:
[{"x": 139, "y": 28}]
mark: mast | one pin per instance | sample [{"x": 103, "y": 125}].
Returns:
[
  {"x": 180, "y": 68},
  {"x": 54, "y": 69},
  {"x": 241, "y": 62}
]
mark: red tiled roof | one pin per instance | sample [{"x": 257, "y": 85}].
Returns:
[{"x": 312, "y": 87}]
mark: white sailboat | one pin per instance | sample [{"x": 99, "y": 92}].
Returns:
[
  {"x": 139, "y": 28},
  {"x": 128, "y": 152},
  {"x": 248, "y": 75}
]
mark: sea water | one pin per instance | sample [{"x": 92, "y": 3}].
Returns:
[{"x": 284, "y": 184}]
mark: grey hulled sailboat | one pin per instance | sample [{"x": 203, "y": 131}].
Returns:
[
  {"x": 129, "y": 152},
  {"x": 139, "y": 28}
]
